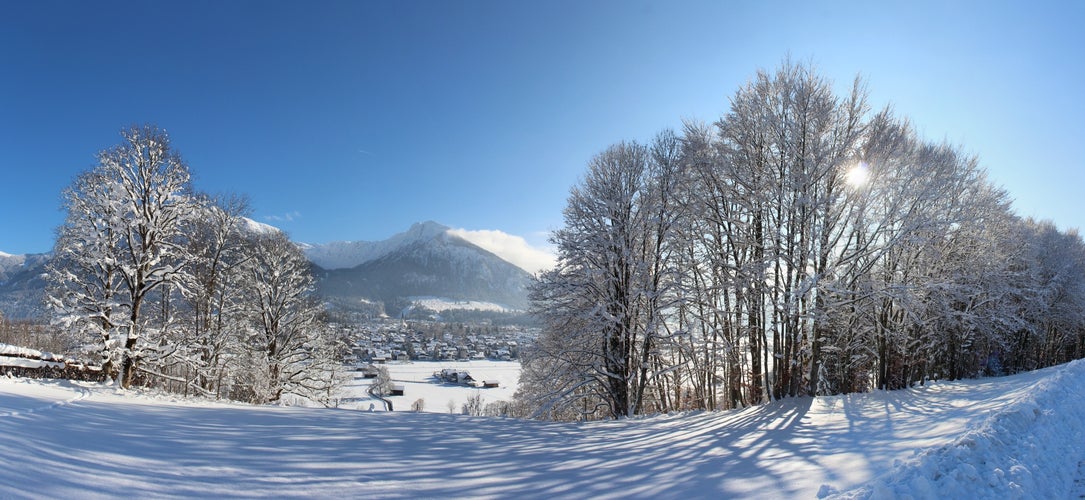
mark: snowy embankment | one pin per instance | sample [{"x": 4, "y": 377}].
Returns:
[
  {"x": 69, "y": 439},
  {"x": 21, "y": 357},
  {"x": 1031, "y": 448}
]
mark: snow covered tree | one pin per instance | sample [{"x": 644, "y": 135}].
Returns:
[
  {"x": 776, "y": 213},
  {"x": 122, "y": 241},
  {"x": 83, "y": 276},
  {"x": 798, "y": 247},
  {"x": 382, "y": 384},
  {"x": 215, "y": 296},
  {"x": 603, "y": 304},
  {"x": 288, "y": 346},
  {"x": 179, "y": 290}
]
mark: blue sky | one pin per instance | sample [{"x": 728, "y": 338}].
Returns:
[{"x": 352, "y": 120}]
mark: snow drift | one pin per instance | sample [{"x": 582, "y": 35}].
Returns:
[{"x": 1032, "y": 448}]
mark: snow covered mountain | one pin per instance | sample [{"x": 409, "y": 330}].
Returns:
[
  {"x": 254, "y": 227},
  {"x": 425, "y": 261},
  {"x": 349, "y": 254},
  {"x": 21, "y": 284},
  {"x": 425, "y": 265}
]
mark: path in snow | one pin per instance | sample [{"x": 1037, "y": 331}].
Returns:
[
  {"x": 117, "y": 445},
  {"x": 37, "y": 396}
]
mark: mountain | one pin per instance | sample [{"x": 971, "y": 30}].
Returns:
[
  {"x": 350, "y": 254},
  {"x": 426, "y": 266},
  {"x": 425, "y": 261},
  {"x": 252, "y": 227},
  {"x": 21, "y": 285}
]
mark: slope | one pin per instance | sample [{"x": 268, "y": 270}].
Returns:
[{"x": 60, "y": 439}]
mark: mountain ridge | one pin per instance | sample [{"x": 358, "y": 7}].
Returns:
[
  {"x": 346, "y": 254},
  {"x": 426, "y": 260}
]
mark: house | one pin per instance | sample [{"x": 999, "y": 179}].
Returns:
[
  {"x": 397, "y": 390},
  {"x": 369, "y": 371},
  {"x": 455, "y": 376},
  {"x": 490, "y": 383}
]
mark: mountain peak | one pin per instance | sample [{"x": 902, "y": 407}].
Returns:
[
  {"x": 254, "y": 227},
  {"x": 426, "y": 230},
  {"x": 348, "y": 254}
]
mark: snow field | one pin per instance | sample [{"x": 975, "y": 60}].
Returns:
[
  {"x": 441, "y": 304},
  {"x": 418, "y": 382},
  {"x": 1031, "y": 448},
  {"x": 24, "y": 397},
  {"x": 1007, "y": 437}
]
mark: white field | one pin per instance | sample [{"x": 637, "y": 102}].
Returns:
[
  {"x": 441, "y": 304},
  {"x": 1011, "y": 437},
  {"x": 417, "y": 379}
]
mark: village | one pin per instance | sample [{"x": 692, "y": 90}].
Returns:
[{"x": 383, "y": 340}]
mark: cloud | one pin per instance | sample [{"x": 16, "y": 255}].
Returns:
[
  {"x": 287, "y": 217},
  {"x": 512, "y": 248}
]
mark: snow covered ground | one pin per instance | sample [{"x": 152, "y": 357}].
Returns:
[
  {"x": 441, "y": 304},
  {"x": 1018, "y": 436},
  {"x": 418, "y": 383}
]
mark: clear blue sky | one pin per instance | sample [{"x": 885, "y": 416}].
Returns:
[{"x": 352, "y": 120}]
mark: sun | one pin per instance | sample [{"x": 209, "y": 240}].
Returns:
[{"x": 858, "y": 176}]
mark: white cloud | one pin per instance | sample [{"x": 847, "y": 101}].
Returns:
[
  {"x": 287, "y": 217},
  {"x": 512, "y": 248}
]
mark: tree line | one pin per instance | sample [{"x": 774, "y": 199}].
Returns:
[
  {"x": 171, "y": 288},
  {"x": 802, "y": 244}
]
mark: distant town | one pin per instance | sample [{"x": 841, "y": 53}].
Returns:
[{"x": 384, "y": 340}]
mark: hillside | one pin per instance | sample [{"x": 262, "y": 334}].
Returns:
[{"x": 988, "y": 438}]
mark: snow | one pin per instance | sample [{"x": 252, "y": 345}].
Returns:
[
  {"x": 442, "y": 304},
  {"x": 418, "y": 383},
  {"x": 990, "y": 438},
  {"x": 21, "y": 357},
  {"x": 12, "y": 350},
  {"x": 1030, "y": 448},
  {"x": 255, "y": 227}
]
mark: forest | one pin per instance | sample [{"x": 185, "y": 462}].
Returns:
[{"x": 803, "y": 244}]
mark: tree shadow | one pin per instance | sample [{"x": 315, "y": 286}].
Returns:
[{"x": 114, "y": 446}]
